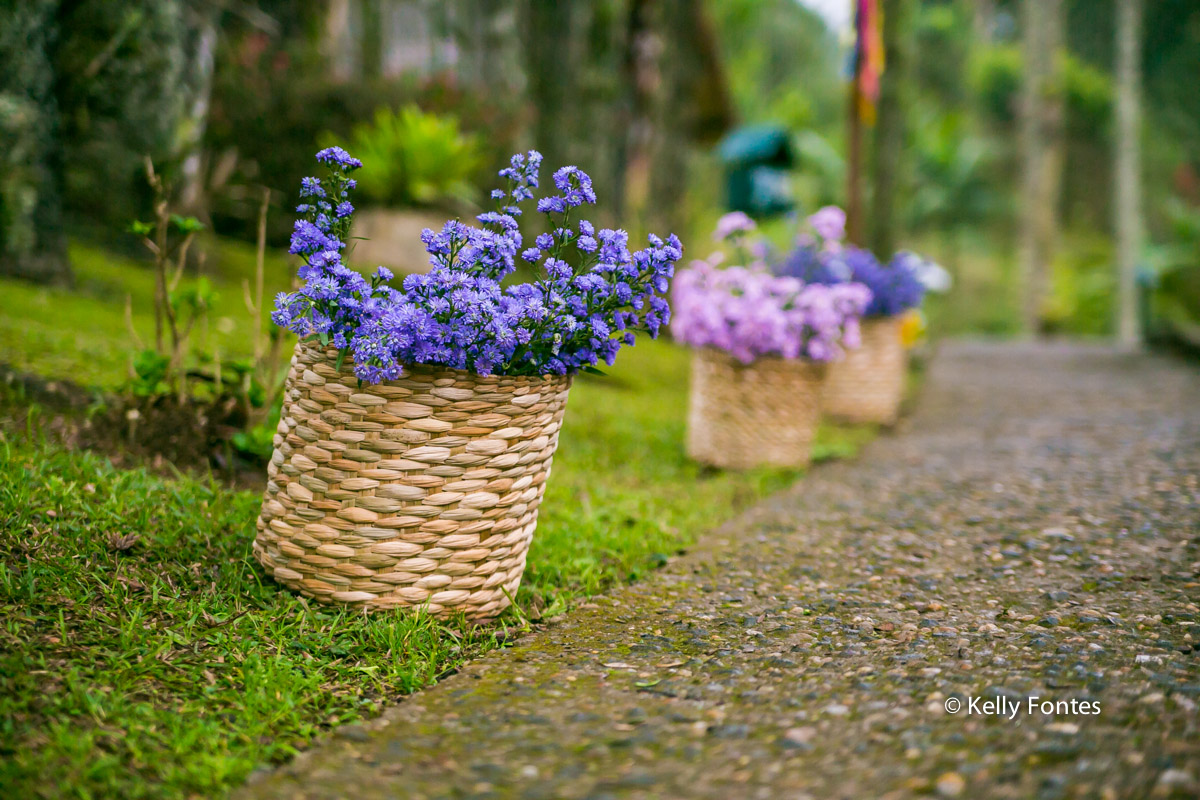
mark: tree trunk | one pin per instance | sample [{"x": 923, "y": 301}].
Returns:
[
  {"x": 982, "y": 19},
  {"x": 371, "y": 39},
  {"x": 640, "y": 71},
  {"x": 195, "y": 117},
  {"x": 337, "y": 40},
  {"x": 550, "y": 68},
  {"x": 33, "y": 244},
  {"x": 1041, "y": 152},
  {"x": 692, "y": 106},
  {"x": 1127, "y": 203},
  {"x": 890, "y": 129}
]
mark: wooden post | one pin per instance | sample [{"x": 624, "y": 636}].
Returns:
[{"x": 854, "y": 143}]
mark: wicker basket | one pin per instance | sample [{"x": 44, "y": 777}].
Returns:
[
  {"x": 422, "y": 491},
  {"x": 746, "y": 415},
  {"x": 868, "y": 384}
]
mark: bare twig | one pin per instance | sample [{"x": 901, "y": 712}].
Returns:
[
  {"x": 157, "y": 246},
  {"x": 260, "y": 267},
  {"x": 133, "y": 334},
  {"x": 181, "y": 260},
  {"x": 128, "y": 26}
]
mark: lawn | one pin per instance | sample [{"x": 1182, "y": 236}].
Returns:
[
  {"x": 145, "y": 654},
  {"x": 81, "y": 334}
]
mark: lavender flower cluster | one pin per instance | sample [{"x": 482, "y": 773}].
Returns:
[
  {"x": 591, "y": 295},
  {"x": 750, "y": 313},
  {"x": 895, "y": 287}
]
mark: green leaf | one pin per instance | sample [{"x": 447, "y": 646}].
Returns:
[{"x": 186, "y": 224}]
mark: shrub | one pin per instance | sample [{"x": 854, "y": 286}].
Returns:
[
  {"x": 996, "y": 75},
  {"x": 416, "y": 158}
]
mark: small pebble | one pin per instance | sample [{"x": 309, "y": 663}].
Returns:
[{"x": 950, "y": 784}]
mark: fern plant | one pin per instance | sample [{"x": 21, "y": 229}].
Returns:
[{"x": 417, "y": 159}]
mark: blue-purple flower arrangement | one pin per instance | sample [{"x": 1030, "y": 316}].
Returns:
[
  {"x": 590, "y": 297},
  {"x": 822, "y": 258}
]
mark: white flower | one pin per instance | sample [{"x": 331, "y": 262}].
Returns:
[{"x": 933, "y": 277}]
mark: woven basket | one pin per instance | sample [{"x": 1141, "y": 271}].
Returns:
[
  {"x": 423, "y": 491},
  {"x": 746, "y": 415},
  {"x": 868, "y": 384}
]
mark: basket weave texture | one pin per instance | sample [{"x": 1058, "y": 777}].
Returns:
[
  {"x": 868, "y": 384},
  {"x": 422, "y": 491},
  {"x": 746, "y": 415}
]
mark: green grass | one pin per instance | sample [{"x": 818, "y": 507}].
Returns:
[
  {"x": 176, "y": 666},
  {"x": 80, "y": 334},
  {"x": 986, "y": 298}
]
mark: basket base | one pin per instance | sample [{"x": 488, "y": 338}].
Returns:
[
  {"x": 867, "y": 386},
  {"x": 747, "y": 415}
]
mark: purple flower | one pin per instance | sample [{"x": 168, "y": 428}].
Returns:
[
  {"x": 307, "y": 238},
  {"x": 337, "y": 157},
  {"x": 459, "y": 315},
  {"x": 551, "y": 205},
  {"x": 829, "y": 223},
  {"x": 735, "y": 222},
  {"x": 895, "y": 288},
  {"x": 575, "y": 185},
  {"x": 311, "y": 187}
]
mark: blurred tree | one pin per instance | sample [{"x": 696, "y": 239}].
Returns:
[
  {"x": 557, "y": 28},
  {"x": 623, "y": 88},
  {"x": 32, "y": 242},
  {"x": 1042, "y": 151},
  {"x": 89, "y": 87},
  {"x": 997, "y": 73},
  {"x": 198, "y": 80},
  {"x": 983, "y": 19},
  {"x": 1128, "y": 190},
  {"x": 692, "y": 106},
  {"x": 890, "y": 128},
  {"x": 122, "y": 88},
  {"x": 292, "y": 73},
  {"x": 781, "y": 64},
  {"x": 944, "y": 35},
  {"x": 954, "y": 189}
]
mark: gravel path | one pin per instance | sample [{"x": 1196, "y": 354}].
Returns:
[{"x": 1034, "y": 530}]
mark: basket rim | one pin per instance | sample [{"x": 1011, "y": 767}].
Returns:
[
  {"x": 768, "y": 359},
  {"x": 329, "y": 353}
]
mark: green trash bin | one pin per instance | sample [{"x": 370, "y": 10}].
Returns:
[{"x": 757, "y": 159}]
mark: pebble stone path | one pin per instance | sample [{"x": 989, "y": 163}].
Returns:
[{"x": 1034, "y": 530}]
